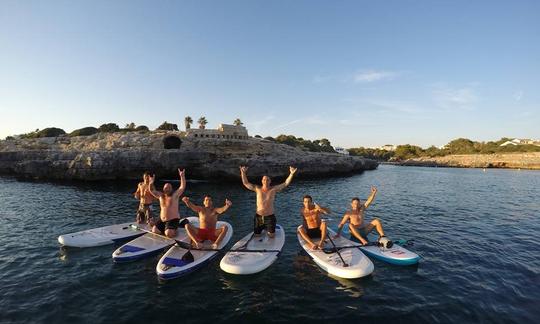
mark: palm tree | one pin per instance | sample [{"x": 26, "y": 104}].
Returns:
[
  {"x": 202, "y": 122},
  {"x": 238, "y": 122},
  {"x": 188, "y": 121}
]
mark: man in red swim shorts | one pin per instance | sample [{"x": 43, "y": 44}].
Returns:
[{"x": 207, "y": 221}]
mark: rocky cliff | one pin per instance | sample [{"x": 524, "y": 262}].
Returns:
[
  {"x": 128, "y": 155},
  {"x": 503, "y": 160}
]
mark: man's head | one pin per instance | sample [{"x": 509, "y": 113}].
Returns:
[
  {"x": 356, "y": 203},
  {"x": 266, "y": 181},
  {"x": 307, "y": 201},
  {"x": 207, "y": 202},
  {"x": 146, "y": 176},
  {"x": 167, "y": 189}
]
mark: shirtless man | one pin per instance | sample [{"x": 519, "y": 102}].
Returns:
[
  {"x": 355, "y": 217},
  {"x": 207, "y": 221},
  {"x": 144, "y": 213},
  {"x": 264, "y": 217},
  {"x": 169, "y": 217},
  {"x": 313, "y": 227}
]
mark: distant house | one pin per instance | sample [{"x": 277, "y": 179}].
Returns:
[
  {"x": 341, "y": 150},
  {"x": 521, "y": 141},
  {"x": 223, "y": 131},
  {"x": 388, "y": 147}
]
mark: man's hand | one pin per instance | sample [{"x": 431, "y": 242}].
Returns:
[
  {"x": 373, "y": 189},
  {"x": 228, "y": 203},
  {"x": 243, "y": 168},
  {"x": 292, "y": 170},
  {"x": 181, "y": 172},
  {"x": 185, "y": 200}
]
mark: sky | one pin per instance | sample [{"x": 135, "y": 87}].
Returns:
[{"x": 359, "y": 73}]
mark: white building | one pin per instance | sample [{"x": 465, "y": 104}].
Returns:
[
  {"x": 341, "y": 150},
  {"x": 388, "y": 147},
  {"x": 223, "y": 131}
]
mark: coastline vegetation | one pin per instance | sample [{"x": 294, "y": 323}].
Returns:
[
  {"x": 457, "y": 146},
  {"x": 320, "y": 145}
]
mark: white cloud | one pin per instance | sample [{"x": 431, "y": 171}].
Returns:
[
  {"x": 518, "y": 95},
  {"x": 367, "y": 76},
  {"x": 450, "y": 98}
]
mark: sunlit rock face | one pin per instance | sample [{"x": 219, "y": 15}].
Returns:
[{"x": 127, "y": 155}]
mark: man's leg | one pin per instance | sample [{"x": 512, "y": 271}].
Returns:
[
  {"x": 303, "y": 233},
  {"x": 271, "y": 226},
  {"x": 378, "y": 226},
  {"x": 159, "y": 227},
  {"x": 193, "y": 232},
  {"x": 220, "y": 233},
  {"x": 323, "y": 234},
  {"x": 356, "y": 234}
]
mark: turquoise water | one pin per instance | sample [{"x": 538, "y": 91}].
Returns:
[{"x": 477, "y": 233}]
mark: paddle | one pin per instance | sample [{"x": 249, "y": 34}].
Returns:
[
  {"x": 332, "y": 241},
  {"x": 190, "y": 247},
  {"x": 337, "y": 248}
]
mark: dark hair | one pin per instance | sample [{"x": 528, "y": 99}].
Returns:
[
  {"x": 146, "y": 173},
  {"x": 355, "y": 198},
  {"x": 208, "y": 196},
  {"x": 309, "y": 197}
]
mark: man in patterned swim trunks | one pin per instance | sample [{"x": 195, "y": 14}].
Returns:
[
  {"x": 144, "y": 212},
  {"x": 264, "y": 217}
]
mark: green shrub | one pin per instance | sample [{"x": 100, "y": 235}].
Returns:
[
  {"x": 168, "y": 126},
  {"x": 85, "y": 131},
  {"x": 108, "y": 128}
]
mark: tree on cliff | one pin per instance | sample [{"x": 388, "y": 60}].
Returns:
[
  {"x": 238, "y": 122},
  {"x": 202, "y": 122},
  {"x": 187, "y": 122},
  {"x": 168, "y": 126},
  {"x": 85, "y": 131},
  {"x": 108, "y": 128}
]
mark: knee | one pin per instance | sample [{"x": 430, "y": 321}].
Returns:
[{"x": 170, "y": 233}]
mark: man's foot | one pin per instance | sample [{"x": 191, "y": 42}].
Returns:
[
  {"x": 313, "y": 246},
  {"x": 321, "y": 245},
  {"x": 214, "y": 246}
]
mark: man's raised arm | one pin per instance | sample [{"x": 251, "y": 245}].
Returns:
[
  {"x": 151, "y": 189},
  {"x": 371, "y": 197},
  {"x": 191, "y": 205},
  {"x": 180, "y": 190},
  {"x": 292, "y": 171},
  {"x": 245, "y": 182},
  {"x": 223, "y": 209}
]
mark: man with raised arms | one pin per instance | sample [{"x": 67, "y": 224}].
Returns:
[
  {"x": 265, "y": 217},
  {"x": 313, "y": 227},
  {"x": 169, "y": 217},
  {"x": 207, "y": 222},
  {"x": 144, "y": 213},
  {"x": 355, "y": 217}
]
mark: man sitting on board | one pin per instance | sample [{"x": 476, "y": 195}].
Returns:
[
  {"x": 144, "y": 213},
  {"x": 355, "y": 217},
  {"x": 313, "y": 227},
  {"x": 207, "y": 222},
  {"x": 169, "y": 217},
  {"x": 264, "y": 216}
]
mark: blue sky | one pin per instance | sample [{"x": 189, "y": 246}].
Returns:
[{"x": 360, "y": 73}]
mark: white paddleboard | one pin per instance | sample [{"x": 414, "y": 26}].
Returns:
[
  {"x": 238, "y": 262},
  {"x": 147, "y": 245},
  {"x": 101, "y": 235},
  {"x": 172, "y": 266},
  {"x": 395, "y": 255},
  {"x": 357, "y": 264}
]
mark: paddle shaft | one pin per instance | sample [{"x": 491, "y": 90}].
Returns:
[{"x": 332, "y": 241}]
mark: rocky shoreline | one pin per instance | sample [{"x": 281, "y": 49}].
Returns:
[
  {"x": 500, "y": 160},
  {"x": 111, "y": 156}
]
